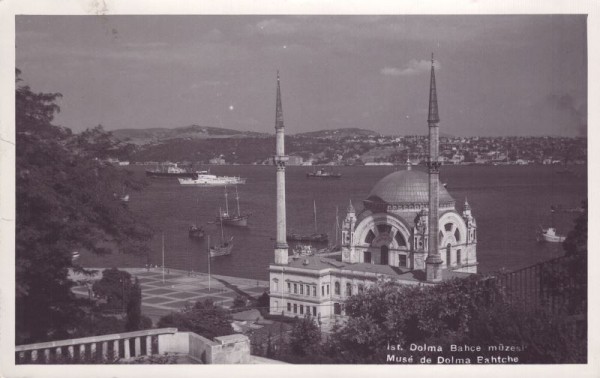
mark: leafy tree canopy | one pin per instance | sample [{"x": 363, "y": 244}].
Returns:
[
  {"x": 66, "y": 200},
  {"x": 305, "y": 338},
  {"x": 204, "y": 318},
  {"x": 115, "y": 287}
]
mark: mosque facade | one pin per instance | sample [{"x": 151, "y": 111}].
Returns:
[{"x": 409, "y": 230}]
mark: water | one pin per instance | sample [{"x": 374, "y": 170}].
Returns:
[{"x": 508, "y": 202}]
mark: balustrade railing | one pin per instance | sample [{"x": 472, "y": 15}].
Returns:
[{"x": 95, "y": 349}]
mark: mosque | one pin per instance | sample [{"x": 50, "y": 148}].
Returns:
[{"x": 409, "y": 230}]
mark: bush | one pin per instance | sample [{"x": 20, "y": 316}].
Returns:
[{"x": 204, "y": 318}]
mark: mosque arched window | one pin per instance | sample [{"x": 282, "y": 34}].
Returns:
[
  {"x": 370, "y": 237},
  {"x": 448, "y": 255},
  {"x": 337, "y": 288},
  {"x": 400, "y": 239},
  {"x": 448, "y": 226},
  {"x": 384, "y": 254},
  {"x": 384, "y": 228},
  {"x": 457, "y": 235}
]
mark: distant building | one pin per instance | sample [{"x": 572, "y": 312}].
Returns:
[
  {"x": 295, "y": 160},
  {"x": 457, "y": 158},
  {"x": 217, "y": 161}
]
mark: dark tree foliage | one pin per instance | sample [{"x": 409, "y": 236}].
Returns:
[
  {"x": 548, "y": 336},
  {"x": 391, "y": 313},
  {"x": 576, "y": 242},
  {"x": 66, "y": 201},
  {"x": 134, "y": 308},
  {"x": 239, "y": 301},
  {"x": 204, "y": 318},
  {"x": 472, "y": 311},
  {"x": 305, "y": 338},
  {"x": 263, "y": 302},
  {"x": 115, "y": 288},
  {"x": 566, "y": 282}
]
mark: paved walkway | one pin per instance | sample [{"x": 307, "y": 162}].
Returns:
[{"x": 180, "y": 287}]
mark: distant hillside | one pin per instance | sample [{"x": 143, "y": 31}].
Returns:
[
  {"x": 338, "y": 133},
  {"x": 161, "y": 135}
]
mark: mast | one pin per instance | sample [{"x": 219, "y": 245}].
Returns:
[
  {"x": 221, "y": 221},
  {"x": 163, "y": 257},
  {"x": 226, "y": 202},
  {"x": 337, "y": 226},
  {"x": 208, "y": 249},
  {"x": 315, "y": 214},
  {"x": 237, "y": 198}
]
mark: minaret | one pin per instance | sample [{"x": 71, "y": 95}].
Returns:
[
  {"x": 281, "y": 247},
  {"x": 433, "y": 263},
  {"x": 349, "y": 253}
]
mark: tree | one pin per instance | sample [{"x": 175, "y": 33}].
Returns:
[
  {"x": 239, "y": 301},
  {"x": 134, "y": 308},
  {"x": 263, "y": 302},
  {"x": 116, "y": 288},
  {"x": 204, "y": 318},
  {"x": 470, "y": 311},
  {"x": 65, "y": 202},
  {"x": 305, "y": 339},
  {"x": 576, "y": 242}
]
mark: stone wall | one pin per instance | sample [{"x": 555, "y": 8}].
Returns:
[{"x": 231, "y": 349}]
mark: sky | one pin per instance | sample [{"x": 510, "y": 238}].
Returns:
[{"x": 496, "y": 75}]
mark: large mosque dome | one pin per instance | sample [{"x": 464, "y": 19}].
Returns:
[{"x": 406, "y": 187}]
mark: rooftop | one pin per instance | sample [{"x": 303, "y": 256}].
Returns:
[
  {"x": 317, "y": 263},
  {"x": 405, "y": 187}
]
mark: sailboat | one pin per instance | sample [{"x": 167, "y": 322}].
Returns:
[
  {"x": 549, "y": 234},
  {"x": 316, "y": 237},
  {"x": 337, "y": 231},
  {"x": 239, "y": 219},
  {"x": 225, "y": 247}
]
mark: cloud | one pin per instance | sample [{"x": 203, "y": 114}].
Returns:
[
  {"x": 568, "y": 111},
  {"x": 414, "y": 67}
]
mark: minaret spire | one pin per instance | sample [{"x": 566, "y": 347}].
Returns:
[
  {"x": 281, "y": 247},
  {"x": 433, "y": 104},
  {"x": 278, "y": 107},
  {"x": 433, "y": 263}
]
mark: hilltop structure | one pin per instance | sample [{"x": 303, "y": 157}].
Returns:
[{"x": 409, "y": 231}]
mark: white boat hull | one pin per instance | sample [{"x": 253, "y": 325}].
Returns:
[
  {"x": 217, "y": 181},
  {"x": 549, "y": 235}
]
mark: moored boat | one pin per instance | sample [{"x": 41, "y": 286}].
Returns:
[
  {"x": 324, "y": 174},
  {"x": 549, "y": 235},
  {"x": 205, "y": 178},
  {"x": 228, "y": 219},
  {"x": 317, "y": 238},
  {"x": 170, "y": 170},
  {"x": 223, "y": 249},
  {"x": 195, "y": 232},
  {"x": 303, "y": 250}
]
